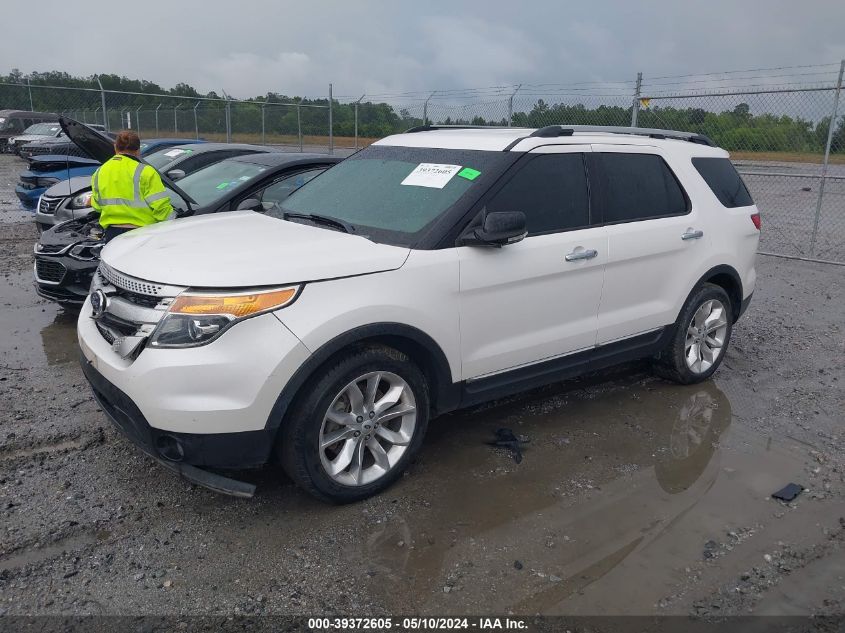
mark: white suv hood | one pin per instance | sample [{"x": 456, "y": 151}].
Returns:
[{"x": 244, "y": 248}]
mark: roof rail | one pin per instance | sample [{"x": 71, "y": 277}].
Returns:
[
  {"x": 551, "y": 131},
  {"x": 427, "y": 128}
]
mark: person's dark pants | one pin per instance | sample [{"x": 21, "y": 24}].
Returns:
[{"x": 113, "y": 231}]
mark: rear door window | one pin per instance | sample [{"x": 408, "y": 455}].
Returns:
[
  {"x": 722, "y": 178},
  {"x": 551, "y": 190},
  {"x": 639, "y": 187}
]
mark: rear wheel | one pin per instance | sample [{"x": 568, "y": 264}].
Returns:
[
  {"x": 701, "y": 337},
  {"x": 357, "y": 426}
]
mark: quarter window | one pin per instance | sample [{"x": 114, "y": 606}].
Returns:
[
  {"x": 723, "y": 179},
  {"x": 551, "y": 190},
  {"x": 639, "y": 187}
]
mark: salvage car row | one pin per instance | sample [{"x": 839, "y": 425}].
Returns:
[{"x": 335, "y": 308}]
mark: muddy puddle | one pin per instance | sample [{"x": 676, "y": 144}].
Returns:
[{"x": 618, "y": 491}]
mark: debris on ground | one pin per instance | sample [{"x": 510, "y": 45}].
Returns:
[
  {"x": 507, "y": 440},
  {"x": 788, "y": 492}
]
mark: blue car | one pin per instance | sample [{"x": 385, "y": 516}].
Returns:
[{"x": 46, "y": 171}]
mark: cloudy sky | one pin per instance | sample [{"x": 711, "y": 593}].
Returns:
[{"x": 248, "y": 47}]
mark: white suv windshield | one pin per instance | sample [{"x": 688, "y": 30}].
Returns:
[{"x": 394, "y": 193}]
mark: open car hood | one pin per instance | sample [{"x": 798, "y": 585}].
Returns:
[
  {"x": 245, "y": 249},
  {"x": 52, "y": 162},
  {"x": 96, "y": 144}
]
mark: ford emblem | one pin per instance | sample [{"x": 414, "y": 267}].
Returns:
[{"x": 98, "y": 303}]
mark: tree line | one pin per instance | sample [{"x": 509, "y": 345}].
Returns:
[{"x": 734, "y": 129}]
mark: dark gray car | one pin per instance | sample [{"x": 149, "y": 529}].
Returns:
[{"x": 71, "y": 198}]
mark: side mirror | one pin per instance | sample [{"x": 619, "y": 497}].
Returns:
[
  {"x": 176, "y": 174},
  {"x": 250, "y": 204},
  {"x": 498, "y": 228}
]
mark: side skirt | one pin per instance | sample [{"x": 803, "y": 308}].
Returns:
[{"x": 539, "y": 374}]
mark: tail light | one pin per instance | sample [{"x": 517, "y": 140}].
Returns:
[{"x": 755, "y": 217}]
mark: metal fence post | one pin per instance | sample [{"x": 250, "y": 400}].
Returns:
[
  {"x": 196, "y": 123},
  {"x": 299, "y": 126},
  {"x": 510, "y": 104},
  {"x": 175, "y": 121},
  {"x": 331, "y": 125},
  {"x": 830, "y": 128},
  {"x": 228, "y": 117},
  {"x": 263, "y": 134},
  {"x": 157, "y": 107},
  {"x": 138, "y": 118},
  {"x": 356, "y": 120},
  {"x": 425, "y": 108},
  {"x": 103, "y": 99},
  {"x": 635, "y": 109},
  {"x": 29, "y": 87}
]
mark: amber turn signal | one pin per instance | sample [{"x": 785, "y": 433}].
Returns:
[{"x": 239, "y": 305}]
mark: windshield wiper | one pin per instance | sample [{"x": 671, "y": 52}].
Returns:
[{"x": 320, "y": 219}]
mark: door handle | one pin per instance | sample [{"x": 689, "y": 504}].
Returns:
[
  {"x": 692, "y": 235},
  {"x": 575, "y": 256}
]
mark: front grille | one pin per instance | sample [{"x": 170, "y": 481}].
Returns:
[
  {"x": 48, "y": 206},
  {"x": 138, "y": 299},
  {"x": 104, "y": 332},
  {"x": 49, "y": 270},
  {"x": 137, "y": 286}
]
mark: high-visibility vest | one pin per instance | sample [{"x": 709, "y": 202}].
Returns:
[{"x": 126, "y": 191}]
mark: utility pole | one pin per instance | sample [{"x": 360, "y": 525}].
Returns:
[
  {"x": 830, "y": 127},
  {"x": 635, "y": 110},
  {"x": 425, "y": 108},
  {"x": 356, "y": 120},
  {"x": 510, "y": 104},
  {"x": 103, "y": 98},
  {"x": 331, "y": 126}
]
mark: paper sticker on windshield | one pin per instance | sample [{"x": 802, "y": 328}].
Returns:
[
  {"x": 469, "y": 173},
  {"x": 174, "y": 152},
  {"x": 431, "y": 175}
]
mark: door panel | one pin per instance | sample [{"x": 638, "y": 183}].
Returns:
[
  {"x": 526, "y": 302},
  {"x": 649, "y": 265}
]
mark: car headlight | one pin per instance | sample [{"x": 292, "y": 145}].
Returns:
[
  {"x": 86, "y": 252},
  {"x": 197, "y": 318},
  {"x": 46, "y": 182},
  {"x": 82, "y": 201}
]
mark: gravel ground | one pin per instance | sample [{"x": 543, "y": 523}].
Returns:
[{"x": 634, "y": 496}]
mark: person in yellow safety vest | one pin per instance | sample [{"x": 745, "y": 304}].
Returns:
[{"x": 128, "y": 193}]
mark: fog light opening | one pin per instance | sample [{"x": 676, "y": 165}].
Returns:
[{"x": 170, "y": 448}]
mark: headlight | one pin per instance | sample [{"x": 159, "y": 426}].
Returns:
[
  {"x": 82, "y": 201},
  {"x": 45, "y": 182},
  {"x": 86, "y": 252},
  {"x": 197, "y": 318}
]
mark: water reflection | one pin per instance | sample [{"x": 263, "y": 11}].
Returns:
[
  {"x": 603, "y": 476},
  {"x": 58, "y": 339}
]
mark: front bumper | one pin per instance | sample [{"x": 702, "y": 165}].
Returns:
[
  {"x": 180, "y": 452},
  {"x": 228, "y": 386},
  {"x": 29, "y": 197},
  {"x": 71, "y": 286}
]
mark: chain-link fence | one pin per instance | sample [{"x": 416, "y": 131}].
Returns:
[{"x": 784, "y": 127}]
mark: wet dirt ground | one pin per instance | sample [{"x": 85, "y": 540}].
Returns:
[{"x": 634, "y": 496}]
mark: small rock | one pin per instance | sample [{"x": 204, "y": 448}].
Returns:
[
  {"x": 517, "y": 564},
  {"x": 447, "y": 589},
  {"x": 767, "y": 558},
  {"x": 138, "y": 577},
  {"x": 554, "y": 578},
  {"x": 167, "y": 583}
]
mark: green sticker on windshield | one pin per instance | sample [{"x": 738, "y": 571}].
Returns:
[
  {"x": 469, "y": 173},
  {"x": 223, "y": 185}
]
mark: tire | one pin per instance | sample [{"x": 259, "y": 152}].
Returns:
[
  {"x": 329, "y": 407},
  {"x": 677, "y": 361}
]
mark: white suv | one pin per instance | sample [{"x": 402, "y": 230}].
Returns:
[{"x": 433, "y": 270}]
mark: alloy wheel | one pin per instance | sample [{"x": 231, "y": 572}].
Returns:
[
  {"x": 706, "y": 333},
  {"x": 367, "y": 428}
]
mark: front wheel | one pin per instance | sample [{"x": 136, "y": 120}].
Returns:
[
  {"x": 356, "y": 426},
  {"x": 701, "y": 337}
]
